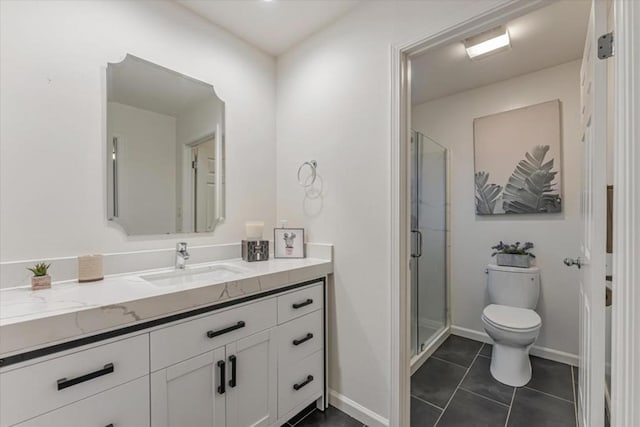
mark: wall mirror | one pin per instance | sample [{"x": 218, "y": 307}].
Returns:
[{"x": 165, "y": 150}]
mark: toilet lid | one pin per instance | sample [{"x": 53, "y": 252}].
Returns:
[{"x": 512, "y": 317}]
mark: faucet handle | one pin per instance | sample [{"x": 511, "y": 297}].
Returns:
[{"x": 181, "y": 246}]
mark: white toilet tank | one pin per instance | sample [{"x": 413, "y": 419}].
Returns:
[{"x": 516, "y": 287}]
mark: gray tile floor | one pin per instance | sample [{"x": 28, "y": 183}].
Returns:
[{"x": 455, "y": 388}]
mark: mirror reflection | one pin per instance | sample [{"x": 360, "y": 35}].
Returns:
[{"x": 165, "y": 150}]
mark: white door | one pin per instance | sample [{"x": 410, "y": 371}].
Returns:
[
  {"x": 190, "y": 393},
  {"x": 204, "y": 184},
  {"x": 593, "y": 88},
  {"x": 252, "y": 373}
]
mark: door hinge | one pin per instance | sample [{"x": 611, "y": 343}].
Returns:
[{"x": 605, "y": 46}]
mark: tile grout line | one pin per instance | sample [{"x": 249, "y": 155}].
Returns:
[
  {"x": 484, "y": 397},
  {"x": 513, "y": 397},
  {"x": 426, "y": 401},
  {"x": 547, "y": 394},
  {"x": 458, "y": 386},
  {"x": 450, "y": 363},
  {"x": 575, "y": 400}
]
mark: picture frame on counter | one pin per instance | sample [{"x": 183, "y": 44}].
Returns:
[{"x": 288, "y": 243}]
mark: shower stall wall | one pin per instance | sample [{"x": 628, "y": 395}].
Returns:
[{"x": 429, "y": 316}]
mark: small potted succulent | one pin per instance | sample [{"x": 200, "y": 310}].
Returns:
[
  {"x": 40, "y": 279},
  {"x": 513, "y": 255}
]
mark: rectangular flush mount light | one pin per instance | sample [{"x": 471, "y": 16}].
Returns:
[{"x": 488, "y": 43}]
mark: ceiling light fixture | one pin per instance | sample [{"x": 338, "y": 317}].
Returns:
[{"x": 488, "y": 43}]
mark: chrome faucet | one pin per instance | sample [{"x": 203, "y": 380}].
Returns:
[{"x": 181, "y": 255}]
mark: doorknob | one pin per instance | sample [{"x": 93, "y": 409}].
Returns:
[{"x": 571, "y": 261}]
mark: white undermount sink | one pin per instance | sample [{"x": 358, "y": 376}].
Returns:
[{"x": 211, "y": 273}]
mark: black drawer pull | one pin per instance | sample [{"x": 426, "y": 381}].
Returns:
[
  {"x": 221, "y": 365},
  {"x": 109, "y": 425},
  {"x": 64, "y": 383},
  {"x": 301, "y": 340},
  {"x": 213, "y": 334},
  {"x": 232, "y": 381},
  {"x": 302, "y": 304},
  {"x": 297, "y": 387}
]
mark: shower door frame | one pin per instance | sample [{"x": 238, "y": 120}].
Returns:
[{"x": 441, "y": 335}]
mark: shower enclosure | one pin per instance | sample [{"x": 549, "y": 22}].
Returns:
[{"x": 429, "y": 316}]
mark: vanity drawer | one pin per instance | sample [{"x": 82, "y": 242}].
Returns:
[
  {"x": 42, "y": 387},
  {"x": 179, "y": 342},
  {"x": 124, "y": 406},
  {"x": 299, "y": 303},
  {"x": 300, "y": 382},
  {"x": 300, "y": 338}
]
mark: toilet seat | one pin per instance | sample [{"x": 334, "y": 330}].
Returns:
[{"x": 511, "y": 318}]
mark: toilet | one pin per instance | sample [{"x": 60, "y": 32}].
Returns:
[{"x": 511, "y": 322}]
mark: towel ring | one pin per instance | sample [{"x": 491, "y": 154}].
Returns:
[{"x": 312, "y": 165}]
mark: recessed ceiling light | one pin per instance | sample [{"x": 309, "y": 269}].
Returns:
[{"x": 488, "y": 43}]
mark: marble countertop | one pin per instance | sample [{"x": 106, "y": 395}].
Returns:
[{"x": 32, "y": 319}]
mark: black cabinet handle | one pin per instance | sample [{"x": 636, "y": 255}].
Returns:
[
  {"x": 302, "y": 304},
  {"x": 64, "y": 383},
  {"x": 301, "y": 340},
  {"x": 109, "y": 425},
  {"x": 213, "y": 334},
  {"x": 232, "y": 381},
  {"x": 297, "y": 387},
  {"x": 221, "y": 365}
]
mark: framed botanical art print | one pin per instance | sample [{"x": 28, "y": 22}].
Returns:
[
  {"x": 518, "y": 161},
  {"x": 288, "y": 242}
]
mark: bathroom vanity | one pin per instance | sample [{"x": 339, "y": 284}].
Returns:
[{"x": 222, "y": 344}]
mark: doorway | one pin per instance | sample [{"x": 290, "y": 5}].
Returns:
[{"x": 403, "y": 161}]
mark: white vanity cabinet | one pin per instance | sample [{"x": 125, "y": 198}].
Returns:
[
  {"x": 255, "y": 362},
  {"x": 186, "y": 394},
  {"x": 300, "y": 349},
  {"x": 252, "y": 390},
  {"x": 124, "y": 406},
  {"x": 47, "y": 385},
  {"x": 234, "y": 386},
  {"x": 236, "y": 376}
]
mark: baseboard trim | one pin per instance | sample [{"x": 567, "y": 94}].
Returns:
[
  {"x": 357, "y": 411},
  {"x": 543, "y": 352}
]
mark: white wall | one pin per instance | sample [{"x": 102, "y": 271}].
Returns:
[
  {"x": 146, "y": 168},
  {"x": 334, "y": 107},
  {"x": 52, "y": 119},
  {"x": 449, "y": 121}
]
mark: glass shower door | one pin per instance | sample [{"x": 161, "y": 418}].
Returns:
[{"x": 429, "y": 241}]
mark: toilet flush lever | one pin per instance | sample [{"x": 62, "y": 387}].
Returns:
[{"x": 569, "y": 262}]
